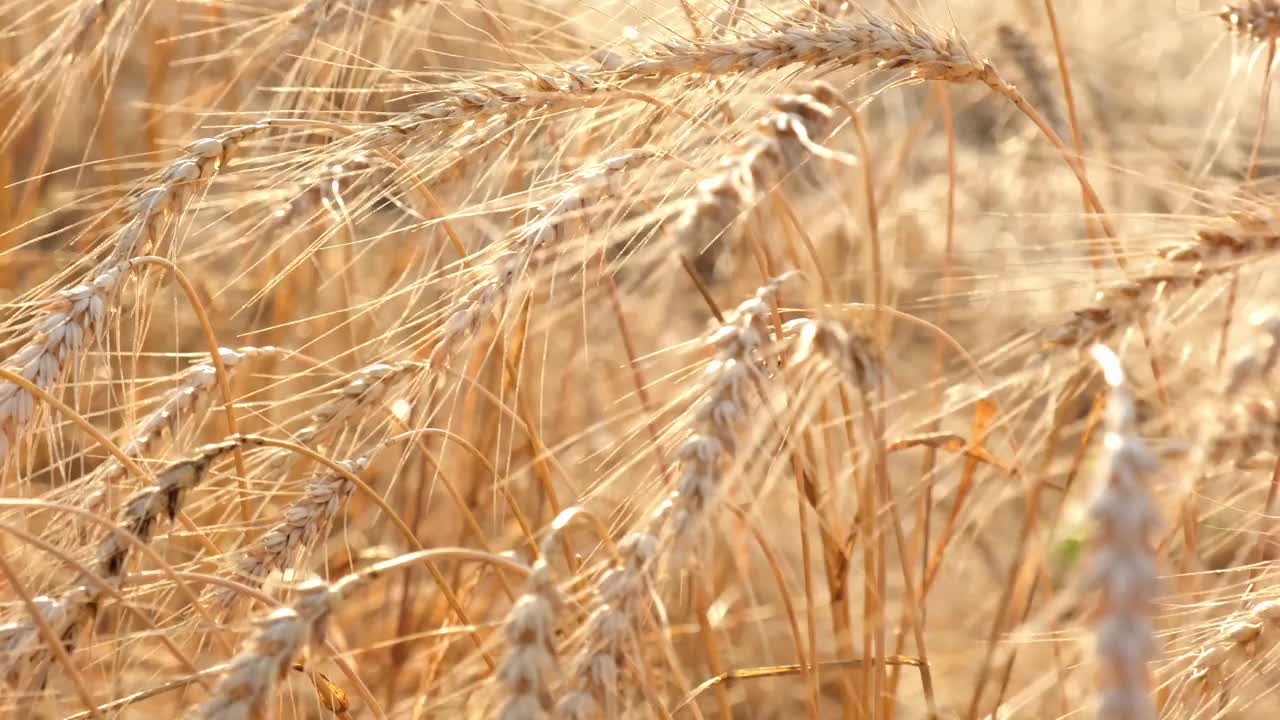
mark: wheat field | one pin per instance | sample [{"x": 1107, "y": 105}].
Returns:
[{"x": 584, "y": 359}]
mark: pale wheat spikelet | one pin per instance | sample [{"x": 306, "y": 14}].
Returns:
[
  {"x": 609, "y": 634},
  {"x": 742, "y": 346},
  {"x": 78, "y": 316},
  {"x": 138, "y": 518},
  {"x": 364, "y": 389},
  {"x": 21, "y": 646},
  {"x": 298, "y": 526},
  {"x": 548, "y": 230},
  {"x": 530, "y": 664},
  {"x": 781, "y": 142},
  {"x": 1238, "y": 634},
  {"x": 177, "y": 407},
  {"x": 851, "y": 351},
  {"x": 1257, "y": 20},
  {"x": 873, "y": 40},
  {"x": 1213, "y": 252},
  {"x": 572, "y": 86},
  {"x": 1123, "y": 569},
  {"x": 245, "y": 688},
  {"x": 199, "y": 161}
]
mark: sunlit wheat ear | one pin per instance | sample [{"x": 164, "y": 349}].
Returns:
[
  {"x": 532, "y": 662},
  {"x": 545, "y": 233},
  {"x": 246, "y": 688},
  {"x": 363, "y": 390},
  {"x": 1258, "y": 20},
  {"x": 609, "y": 635},
  {"x": 869, "y": 41},
  {"x": 1214, "y": 252},
  {"x": 571, "y": 87},
  {"x": 779, "y": 145},
  {"x": 742, "y": 346},
  {"x": 846, "y": 348},
  {"x": 178, "y": 407},
  {"x": 77, "y": 317},
  {"x": 138, "y": 519},
  {"x": 1237, "y": 637},
  {"x": 298, "y": 526},
  {"x": 1123, "y": 569}
]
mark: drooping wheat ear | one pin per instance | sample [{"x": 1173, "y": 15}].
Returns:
[
  {"x": 552, "y": 225},
  {"x": 298, "y": 526},
  {"x": 874, "y": 42},
  {"x": 742, "y": 346},
  {"x": 847, "y": 348},
  {"x": 1041, "y": 88},
  {"x": 163, "y": 498},
  {"x": 245, "y": 689},
  {"x": 367, "y": 387},
  {"x": 1258, "y": 20},
  {"x": 573, "y": 86},
  {"x": 176, "y": 408},
  {"x": 1213, "y": 252},
  {"x": 138, "y": 518},
  {"x": 363, "y": 390},
  {"x": 21, "y": 646},
  {"x": 828, "y": 43},
  {"x": 781, "y": 143},
  {"x": 531, "y": 662},
  {"x": 78, "y": 316},
  {"x": 1123, "y": 569},
  {"x": 1239, "y": 634},
  {"x": 1248, "y": 423},
  {"x": 609, "y": 634}
]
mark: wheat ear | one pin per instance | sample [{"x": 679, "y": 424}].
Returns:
[
  {"x": 177, "y": 407},
  {"x": 781, "y": 143},
  {"x": 531, "y": 662},
  {"x": 250, "y": 677},
  {"x": 298, "y": 526},
  {"x": 137, "y": 520},
  {"x": 548, "y": 230},
  {"x": 741, "y": 345},
  {"x": 78, "y": 316},
  {"x": 246, "y": 687},
  {"x": 1123, "y": 568},
  {"x": 1213, "y": 252}
]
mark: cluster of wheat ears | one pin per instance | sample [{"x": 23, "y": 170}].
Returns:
[{"x": 586, "y": 359}]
